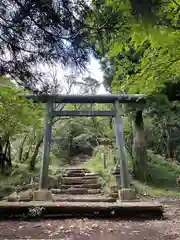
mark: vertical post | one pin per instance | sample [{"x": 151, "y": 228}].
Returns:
[
  {"x": 121, "y": 148},
  {"x": 43, "y": 183},
  {"x": 103, "y": 160}
]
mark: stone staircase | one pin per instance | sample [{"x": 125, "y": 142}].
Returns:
[
  {"x": 77, "y": 185},
  {"x": 80, "y": 185},
  {"x": 80, "y": 194}
]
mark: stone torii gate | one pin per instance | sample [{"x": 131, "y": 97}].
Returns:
[{"x": 51, "y": 102}]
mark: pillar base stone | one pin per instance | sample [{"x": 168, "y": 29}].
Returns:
[
  {"x": 42, "y": 195},
  {"x": 127, "y": 194}
]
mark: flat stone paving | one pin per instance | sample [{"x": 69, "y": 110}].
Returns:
[
  {"x": 122, "y": 210},
  {"x": 119, "y": 204},
  {"x": 83, "y": 198},
  {"x": 82, "y": 207}
]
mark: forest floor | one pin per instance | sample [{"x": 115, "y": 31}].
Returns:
[{"x": 87, "y": 229}]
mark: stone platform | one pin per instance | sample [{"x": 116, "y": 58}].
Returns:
[
  {"x": 79, "y": 194},
  {"x": 83, "y": 198},
  {"x": 91, "y": 209}
]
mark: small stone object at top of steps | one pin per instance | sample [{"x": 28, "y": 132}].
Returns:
[
  {"x": 43, "y": 195},
  {"x": 13, "y": 197},
  {"x": 52, "y": 182},
  {"x": 23, "y": 196},
  {"x": 26, "y": 196}
]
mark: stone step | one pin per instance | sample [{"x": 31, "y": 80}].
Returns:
[
  {"x": 82, "y": 198},
  {"x": 74, "y": 174},
  {"x": 73, "y": 180},
  {"x": 91, "y": 177},
  {"x": 88, "y": 186},
  {"x": 95, "y": 191},
  {"x": 80, "y": 174},
  {"x": 117, "y": 210},
  {"x": 92, "y": 173},
  {"x": 90, "y": 181},
  {"x": 76, "y": 191},
  {"x": 76, "y": 170},
  {"x": 56, "y": 191},
  {"x": 80, "y": 180}
]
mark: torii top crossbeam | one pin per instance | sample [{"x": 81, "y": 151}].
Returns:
[{"x": 108, "y": 98}]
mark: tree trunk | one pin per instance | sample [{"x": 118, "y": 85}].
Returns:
[
  {"x": 34, "y": 156},
  {"x": 2, "y": 161},
  {"x": 21, "y": 148},
  {"x": 70, "y": 149},
  {"x": 7, "y": 153},
  {"x": 140, "y": 157},
  {"x": 26, "y": 154},
  {"x": 169, "y": 145}
]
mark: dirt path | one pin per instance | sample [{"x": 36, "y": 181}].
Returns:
[{"x": 85, "y": 229}]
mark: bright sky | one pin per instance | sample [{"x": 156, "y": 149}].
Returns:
[
  {"x": 58, "y": 72},
  {"x": 93, "y": 70}
]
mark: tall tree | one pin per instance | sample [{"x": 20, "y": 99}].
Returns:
[
  {"x": 140, "y": 56},
  {"x": 42, "y": 31}
]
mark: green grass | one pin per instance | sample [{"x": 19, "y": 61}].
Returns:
[
  {"x": 163, "y": 172},
  {"x": 144, "y": 189},
  {"x": 96, "y": 164},
  {"x": 21, "y": 176}
]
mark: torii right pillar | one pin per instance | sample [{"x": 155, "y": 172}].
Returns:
[{"x": 125, "y": 193}]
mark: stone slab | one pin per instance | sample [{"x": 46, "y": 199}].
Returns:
[
  {"x": 73, "y": 180},
  {"x": 26, "y": 196},
  {"x": 94, "y": 191},
  {"x": 127, "y": 194},
  {"x": 121, "y": 209},
  {"x": 88, "y": 186},
  {"x": 73, "y": 174},
  {"x": 83, "y": 198},
  {"x": 76, "y": 170},
  {"x": 73, "y": 190},
  {"x": 13, "y": 197},
  {"x": 79, "y": 180},
  {"x": 42, "y": 195}
]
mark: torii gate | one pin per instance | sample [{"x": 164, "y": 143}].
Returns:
[{"x": 51, "y": 113}]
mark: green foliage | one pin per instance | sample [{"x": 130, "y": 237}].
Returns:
[
  {"x": 140, "y": 56},
  {"x": 152, "y": 191},
  {"x": 16, "y": 112},
  {"x": 21, "y": 125},
  {"x": 104, "y": 165},
  {"x": 163, "y": 172},
  {"x": 34, "y": 34}
]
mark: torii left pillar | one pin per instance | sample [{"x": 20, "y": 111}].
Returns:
[
  {"x": 43, "y": 194},
  {"x": 125, "y": 193}
]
